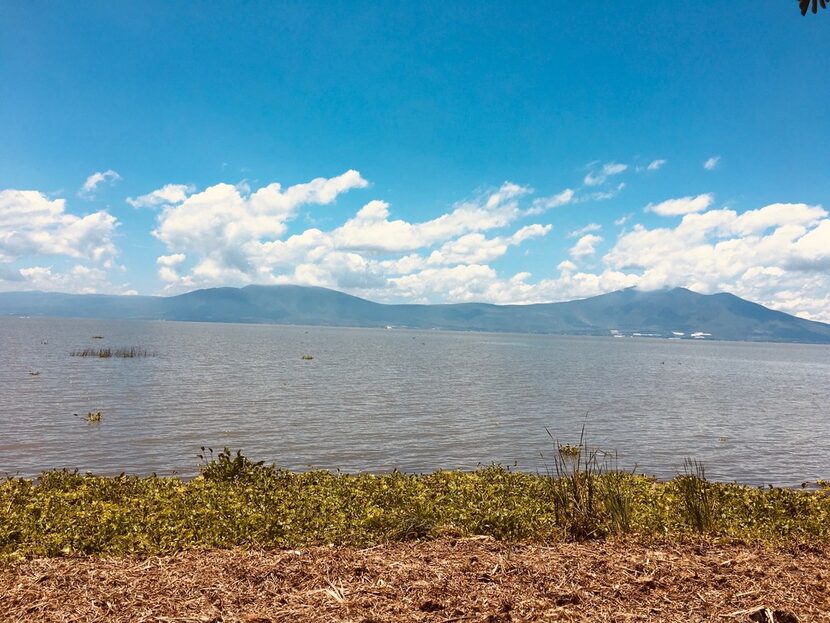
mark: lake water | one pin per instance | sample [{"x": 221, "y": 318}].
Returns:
[{"x": 373, "y": 399}]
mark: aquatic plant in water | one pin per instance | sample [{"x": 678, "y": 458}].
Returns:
[{"x": 106, "y": 353}]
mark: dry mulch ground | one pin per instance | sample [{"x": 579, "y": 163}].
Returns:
[{"x": 449, "y": 581}]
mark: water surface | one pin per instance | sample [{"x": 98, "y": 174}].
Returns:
[{"x": 374, "y": 399}]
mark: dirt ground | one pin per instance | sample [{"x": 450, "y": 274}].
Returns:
[{"x": 447, "y": 581}]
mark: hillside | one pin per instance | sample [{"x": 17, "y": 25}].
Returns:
[{"x": 677, "y": 312}]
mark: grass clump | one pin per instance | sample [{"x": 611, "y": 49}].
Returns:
[
  {"x": 238, "y": 502},
  {"x": 227, "y": 467},
  {"x": 697, "y": 497},
  {"x": 592, "y": 497}
]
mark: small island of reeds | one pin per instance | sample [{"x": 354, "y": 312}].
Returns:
[{"x": 127, "y": 352}]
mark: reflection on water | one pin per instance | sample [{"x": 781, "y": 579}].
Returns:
[{"x": 416, "y": 400}]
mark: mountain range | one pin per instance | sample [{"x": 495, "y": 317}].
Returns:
[{"x": 667, "y": 313}]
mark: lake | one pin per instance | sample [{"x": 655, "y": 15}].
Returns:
[{"x": 374, "y": 399}]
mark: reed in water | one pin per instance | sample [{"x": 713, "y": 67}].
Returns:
[{"x": 128, "y": 352}]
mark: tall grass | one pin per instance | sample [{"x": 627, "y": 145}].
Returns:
[
  {"x": 590, "y": 494},
  {"x": 617, "y": 500},
  {"x": 697, "y": 496}
]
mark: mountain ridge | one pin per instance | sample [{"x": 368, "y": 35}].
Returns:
[{"x": 670, "y": 313}]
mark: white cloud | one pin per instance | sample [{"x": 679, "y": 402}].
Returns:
[
  {"x": 543, "y": 204},
  {"x": 585, "y": 246},
  {"x": 711, "y": 163},
  {"x": 167, "y": 267},
  {"x": 591, "y": 227},
  {"x": 371, "y": 229},
  {"x": 79, "y": 279},
  {"x": 598, "y": 176},
  {"x": 32, "y": 224},
  {"x": 171, "y": 260},
  {"x": 166, "y": 195},
  {"x": 530, "y": 231},
  {"x": 91, "y": 184},
  {"x": 477, "y": 249},
  {"x": 456, "y": 283},
  {"x": 683, "y": 205},
  {"x": 34, "y": 227},
  {"x": 227, "y": 237},
  {"x": 778, "y": 255},
  {"x": 221, "y": 222},
  {"x": 655, "y": 165},
  {"x": 602, "y": 195}
]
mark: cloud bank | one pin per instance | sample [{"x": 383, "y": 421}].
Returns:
[{"x": 224, "y": 234}]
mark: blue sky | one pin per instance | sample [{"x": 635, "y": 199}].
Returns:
[{"x": 508, "y": 152}]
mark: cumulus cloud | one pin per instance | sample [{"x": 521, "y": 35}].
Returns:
[
  {"x": 477, "y": 249},
  {"x": 711, "y": 163},
  {"x": 226, "y": 234},
  {"x": 683, "y": 205},
  {"x": 79, "y": 279},
  {"x": 33, "y": 224},
  {"x": 166, "y": 195},
  {"x": 236, "y": 237},
  {"x": 585, "y": 246},
  {"x": 168, "y": 264},
  {"x": 598, "y": 175},
  {"x": 655, "y": 165},
  {"x": 36, "y": 233},
  {"x": 777, "y": 255},
  {"x": 91, "y": 184},
  {"x": 372, "y": 230},
  {"x": 219, "y": 223}
]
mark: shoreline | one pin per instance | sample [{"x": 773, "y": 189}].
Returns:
[
  {"x": 236, "y": 502},
  {"x": 812, "y": 485}
]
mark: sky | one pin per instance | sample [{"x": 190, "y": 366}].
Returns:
[{"x": 513, "y": 152}]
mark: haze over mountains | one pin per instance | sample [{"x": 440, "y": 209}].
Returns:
[{"x": 669, "y": 313}]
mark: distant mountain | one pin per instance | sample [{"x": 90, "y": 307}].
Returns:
[{"x": 670, "y": 313}]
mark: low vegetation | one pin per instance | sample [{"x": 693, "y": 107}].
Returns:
[
  {"x": 105, "y": 353},
  {"x": 237, "y": 502},
  {"x": 93, "y": 416}
]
